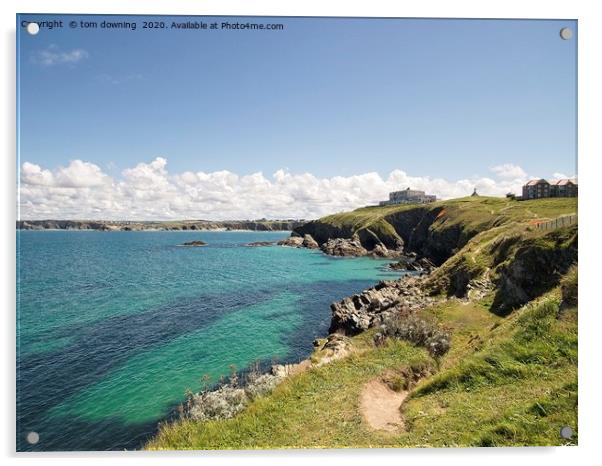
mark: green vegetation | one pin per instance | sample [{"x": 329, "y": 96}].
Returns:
[
  {"x": 467, "y": 211},
  {"x": 436, "y": 230},
  {"x": 317, "y": 408},
  {"x": 507, "y": 298},
  {"x": 518, "y": 388},
  {"x": 506, "y": 381},
  {"x": 520, "y": 261}
]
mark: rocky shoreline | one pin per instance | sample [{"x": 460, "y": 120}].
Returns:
[
  {"x": 374, "y": 306},
  {"x": 352, "y": 247},
  {"x": 228, "y": 399},
  {"x": 378, "y": 306},
  {"x": 185, "y": 225}
]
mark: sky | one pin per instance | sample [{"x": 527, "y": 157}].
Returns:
[{"x": 322, "y": 116}]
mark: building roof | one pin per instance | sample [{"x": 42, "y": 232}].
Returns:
[
  {"x": 563, "y": 182},
  {"x": 535, "y": 182}
]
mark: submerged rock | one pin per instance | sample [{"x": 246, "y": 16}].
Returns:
[
  {"x": 261, "y": 243},
  {"x": 196, "y": 243}
]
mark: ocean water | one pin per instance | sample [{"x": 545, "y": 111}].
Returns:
[{"x": 112, "y": 328}]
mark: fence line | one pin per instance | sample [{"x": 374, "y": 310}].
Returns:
[{"x": 563, "y": 221}]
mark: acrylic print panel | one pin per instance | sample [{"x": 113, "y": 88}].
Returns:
[{"x": 270, "y": 232}]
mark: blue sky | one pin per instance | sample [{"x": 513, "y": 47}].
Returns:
[{"x": 333, "y": 97}]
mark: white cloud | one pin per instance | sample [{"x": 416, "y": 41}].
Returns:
[
  {"x": 562, "y": 176},
  {"x": 80, "y": 174},
  {"x": 53, "y": 55},
  {"x": 33, "y": 174},
  {"x": 509, "y": 171},
  {"x": 149, "y": 191}
]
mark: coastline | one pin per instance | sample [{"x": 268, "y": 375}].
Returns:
[
  {"x": 174, "y": 225},
  {"x": 502, "y": 266},
  {"x": 152, "y": 230},
  {"x": 474, "y": 269}
]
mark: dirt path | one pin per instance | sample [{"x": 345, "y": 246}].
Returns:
[{"x": 380, "y": 406}]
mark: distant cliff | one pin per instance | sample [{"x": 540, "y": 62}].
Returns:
[{"x": 252, "y": 225}]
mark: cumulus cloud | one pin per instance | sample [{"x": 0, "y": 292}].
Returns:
[
  {"x": 53, "y": 55},
  {"x": 562, "y": 176},
  {"x": 77, "y": 174},
  {"x": 80, "y": 175},
  {"x": 148, "y": 191},
  {"x": 509, "y": 171},
  {"x": 33, "y": 174}
]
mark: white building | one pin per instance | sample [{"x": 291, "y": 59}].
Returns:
[{"x": 409, "y": 196}]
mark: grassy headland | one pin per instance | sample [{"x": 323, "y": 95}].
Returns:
[{"x": 507, "y": 294}]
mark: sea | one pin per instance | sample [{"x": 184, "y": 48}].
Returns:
[{"x": 114, "y": 327}]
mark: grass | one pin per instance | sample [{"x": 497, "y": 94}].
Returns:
[
  {"x": 439, "y": 229},
  {"x": 468, "y": 211},
  {"x": 514, "y": 257},
  {"x": 318, "y": 408},
  {"x": 518, "y": 388},
  {"x": 509, "y": 378},
  {"x": 506, "y": 381}
]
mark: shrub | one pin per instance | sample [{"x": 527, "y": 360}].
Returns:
[
  {"x": 262, "y": 385},
  {"x": 568, "y": 286},
  {"x": 222, "y": 403},
  {"x": 419, "y": 332}
]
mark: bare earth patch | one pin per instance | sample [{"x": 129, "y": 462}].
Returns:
[{"x": 379, "y": 406}]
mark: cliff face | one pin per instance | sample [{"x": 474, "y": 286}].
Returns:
[
  {"x": 424, "y": 230},
  {"x": 60, "y": 225},
  {"x": 267, "y": 225},
  {"x": 516, "y": 263},
  {"x": 420, "y": 230},
  {"x": 512, "y": 265},
  {"x": 435, "y": 231}
]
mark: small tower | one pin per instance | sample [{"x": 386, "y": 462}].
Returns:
[{"x": 474, "y": 193}]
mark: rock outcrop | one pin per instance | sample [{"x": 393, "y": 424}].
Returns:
[
  {"x": 334, "y": 347},
  {"x": 292, "y": 242},
  {"x": 353, "y": 246},
  {"x": 412, "y": 264},
  {"x": 533, "y": 267},
  {"x": 373, "y": 306},
  {"x": 309, "y": 242},
  {"x": 344, "y": 247},
  {"x": 228, "y": 400}
]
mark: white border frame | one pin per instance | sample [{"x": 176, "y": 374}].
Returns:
[{"x": 590, "y": 39}]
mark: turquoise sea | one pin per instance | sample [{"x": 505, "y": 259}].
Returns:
[{"x": 113, "y": 327}]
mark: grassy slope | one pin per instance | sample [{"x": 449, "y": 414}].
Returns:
[
  {"x": 435, "y": 230},
  {"x": 469, "y": 211},
  {"x": 540, "y": 256},
  {"x": 506, "y": 380}
]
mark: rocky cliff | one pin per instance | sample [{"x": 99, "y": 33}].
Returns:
[
  {"x": 497, "y": 253},
  {"x": 434, "y": 231},
  {"x": 259, "y": 225}
]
